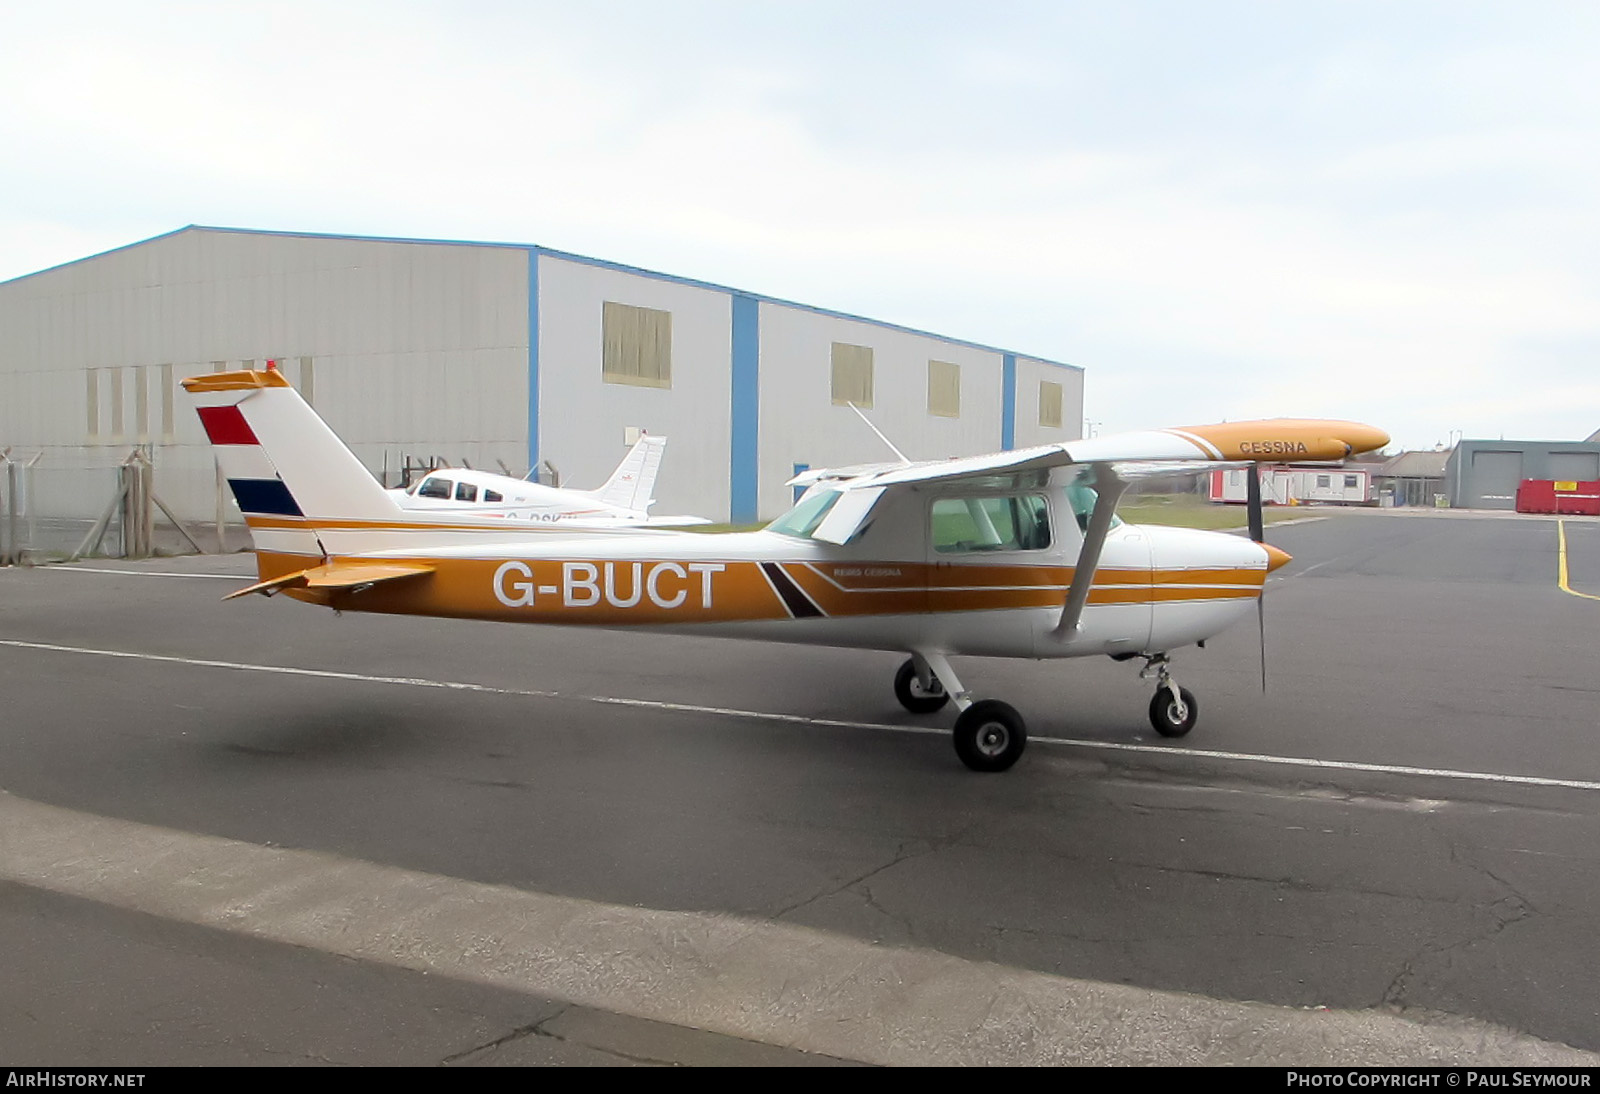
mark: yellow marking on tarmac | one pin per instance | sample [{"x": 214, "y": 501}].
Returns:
[{"x": 1561, "y": 563}]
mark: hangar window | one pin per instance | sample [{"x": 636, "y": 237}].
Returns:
[
  {"x": 1050, "y": 404},
  {"x": 944, "y": 389},
  {"x": 141, "y": 402},
  {"x": 1012, "y": 523},
  {"x": 852, "y": 375},
  {"x": 636, "y": 345},
  {"x": 1324, "y": 481},
  {"x": 166, "y": 403},
  {"x": 94, "y": 402},
  {"x": 1351, "y": 482},
  {"x": 115, "y": 376},
  {"x": 435, "y": 487}
]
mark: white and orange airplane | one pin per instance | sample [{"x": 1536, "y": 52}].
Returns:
[
  {"x": 624, "y": 499},
  {"x": 1015, "y": 554}
]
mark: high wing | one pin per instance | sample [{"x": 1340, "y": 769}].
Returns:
[
  {"x": 1116, "y": 461},
  {"x": 1202, "y": 445}
]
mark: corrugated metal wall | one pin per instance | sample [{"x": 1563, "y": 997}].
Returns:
[
  {"x": 405, "y": 341},
  {"x": 583, "y": 420},
  {"x": 421, "y": 349}
]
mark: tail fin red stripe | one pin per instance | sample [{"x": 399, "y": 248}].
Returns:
[{"x": 225, "y": 425}]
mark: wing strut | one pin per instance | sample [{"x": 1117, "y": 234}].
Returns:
[{"x": 1109, "y": 486}]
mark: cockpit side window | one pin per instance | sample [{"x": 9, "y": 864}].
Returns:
[
  {"x": 1012, "y": 522},
  {"x": 434, "y": 486}
]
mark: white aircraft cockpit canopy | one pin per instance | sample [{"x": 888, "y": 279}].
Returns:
[{"x": 443, "y": 488}]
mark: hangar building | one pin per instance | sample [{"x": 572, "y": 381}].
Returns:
[
  {"x": 1485, "y": 474},
  {"x": 497, "y": 355}
]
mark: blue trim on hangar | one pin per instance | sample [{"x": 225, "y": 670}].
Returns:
[
  {"x": 1008, "y": 401},
  {"x": 533, "y": 361},
  {"x": 744, "y": 421}
]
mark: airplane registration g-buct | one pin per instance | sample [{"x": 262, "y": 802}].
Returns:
[
  {"x": 623, "y": 500},
  {"x": 1015, "y": 554}
]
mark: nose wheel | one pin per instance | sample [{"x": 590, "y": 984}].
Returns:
[{"x": 1173, "y": 710}]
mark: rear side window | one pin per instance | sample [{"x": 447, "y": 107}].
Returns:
[
  {"x": 435, "y": 487},
  {"x": 1014, "y": 522},
  {"x": 466, "y": 491},
  {"x": 491, "y": 495}
]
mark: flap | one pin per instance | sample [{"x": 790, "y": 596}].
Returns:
[{"x": 347, "y": 574}]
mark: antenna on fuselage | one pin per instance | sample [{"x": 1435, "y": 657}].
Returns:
[{"x": 899, "y": 454}]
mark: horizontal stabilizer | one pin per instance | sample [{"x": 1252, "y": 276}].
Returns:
[{"x": 337, "y": 575}]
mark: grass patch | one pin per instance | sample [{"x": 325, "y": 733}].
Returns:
[
  {"x": 719, "y": 529},
  {"x": 1189, "y": 511}
]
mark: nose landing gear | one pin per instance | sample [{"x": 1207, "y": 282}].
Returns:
[{"x": 1173, "y": 710}]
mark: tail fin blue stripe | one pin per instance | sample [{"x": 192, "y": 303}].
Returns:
[{"x": 265, "y": 496}]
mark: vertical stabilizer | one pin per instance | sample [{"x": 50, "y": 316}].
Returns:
[
  {"x": 630, "y": 484},
  {"x": 280, "y": 458}
]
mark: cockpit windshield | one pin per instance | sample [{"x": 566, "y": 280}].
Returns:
[
  {"x": 803, "y": 519},
  {"x": 434, "y": 486},
  {"x": 1082, "y": 497}
]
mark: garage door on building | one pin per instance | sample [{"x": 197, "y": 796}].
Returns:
[
  {"x": 1494, "y": 480},
  {"x": 1574, "y": 466}
]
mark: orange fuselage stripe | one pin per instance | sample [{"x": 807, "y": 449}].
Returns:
[{"x": 644, "y": 591}]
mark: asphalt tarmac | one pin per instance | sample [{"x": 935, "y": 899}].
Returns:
[{"x": 254, "y": 832}]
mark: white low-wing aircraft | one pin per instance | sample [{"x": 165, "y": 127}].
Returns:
[
  {"x": 1015, "y": 554},
  {"x": 623, "y": 500}
]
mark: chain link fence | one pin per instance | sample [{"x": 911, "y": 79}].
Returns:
[{"x": 57, "y": 508}]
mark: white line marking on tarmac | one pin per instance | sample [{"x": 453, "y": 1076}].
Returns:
[
  {"x": 1336, "y": 765},
  {"x": 766, "y": 981},
  {"x": 800, "y": 719},
  {"x": 142, "y": 573}
]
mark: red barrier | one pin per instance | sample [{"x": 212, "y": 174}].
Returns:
[{"x": 1555, "y": 496}]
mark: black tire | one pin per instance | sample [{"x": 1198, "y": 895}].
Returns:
[
  {"x": 1164, "y": 712},
  {"x": 990, "y": 735},
  {"x": 908, "y": 689}
]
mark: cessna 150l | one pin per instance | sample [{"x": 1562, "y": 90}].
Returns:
[
  {"x": 623, "y": 500},
  {"x": 1015, "y": 554}
]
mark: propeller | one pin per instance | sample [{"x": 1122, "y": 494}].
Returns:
[{"x": 1252, "y": 497}]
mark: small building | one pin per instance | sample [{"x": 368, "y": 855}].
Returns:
[
  {"x": 1412, "y": 478},
  {"x": 1297, "y": 485},
  {"x": 1486, "y": 474}
]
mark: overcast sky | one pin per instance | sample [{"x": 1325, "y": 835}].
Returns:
[{"x": 1387, "y": 211}]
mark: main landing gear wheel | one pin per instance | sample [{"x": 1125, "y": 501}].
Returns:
[
  {"x": 913, "y": 696},
  {"x": 1169, "y": 718},
  {"x": 990, "y": 735}
]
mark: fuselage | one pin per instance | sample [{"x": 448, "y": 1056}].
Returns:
[
  {"x": 963, "y": 568},
  {"x": 466, "y": 492}
]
